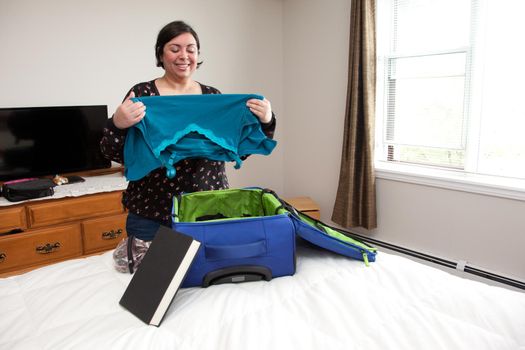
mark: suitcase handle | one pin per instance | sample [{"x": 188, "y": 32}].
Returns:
[
  {"x": 237, "y": 274},
  {"x": 239, "y": 251}
]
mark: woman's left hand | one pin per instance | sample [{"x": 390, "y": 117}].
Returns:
[{"x": 261, "y": 108}]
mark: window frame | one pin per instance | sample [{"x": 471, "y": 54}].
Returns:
[{"x": 465, "y": 179}]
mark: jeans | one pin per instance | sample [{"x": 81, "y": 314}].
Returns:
[{"x": 141, "y": 227}]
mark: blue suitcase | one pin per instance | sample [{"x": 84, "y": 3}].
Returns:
[
  {"x": 243, "y": 237},
  {"x": 249, "y": 234}
]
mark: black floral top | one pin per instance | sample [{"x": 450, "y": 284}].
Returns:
[{"x": 152, "y": 196}]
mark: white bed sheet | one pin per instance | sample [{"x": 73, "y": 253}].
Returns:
[{"x": 330, "y": 303}]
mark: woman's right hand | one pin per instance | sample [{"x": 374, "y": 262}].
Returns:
[{"x": 129, "y": 113}]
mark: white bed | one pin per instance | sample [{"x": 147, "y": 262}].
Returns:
[{"x": 330, "y": 303}]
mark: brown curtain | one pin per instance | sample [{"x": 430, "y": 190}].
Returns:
[{"x": 355, "y": 203}]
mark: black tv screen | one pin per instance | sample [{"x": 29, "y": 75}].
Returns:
[{"x": 40, "y": 141}]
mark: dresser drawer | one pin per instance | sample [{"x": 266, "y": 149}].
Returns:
[
  {"x": 103, "y": 233},
  {"x": 68, "y": 210},
  {"x": 39, "y": 247},
  {"x": 12, "y": 219}
]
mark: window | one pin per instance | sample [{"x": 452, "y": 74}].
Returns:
[{"x": 450, "y": 85}]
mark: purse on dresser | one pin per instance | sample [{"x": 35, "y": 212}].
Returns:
[{"x": 17, "y": 191}]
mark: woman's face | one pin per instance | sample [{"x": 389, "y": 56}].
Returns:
[{"x": 180, "y": 56}]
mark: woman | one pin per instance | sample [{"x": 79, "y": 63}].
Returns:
[{"x": 149, "y": 200}]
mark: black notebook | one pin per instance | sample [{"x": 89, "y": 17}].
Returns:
[{"x": 159, "y": 275}]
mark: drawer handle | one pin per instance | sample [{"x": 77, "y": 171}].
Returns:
[
  {"x": 48, "y": 248},
  {"x": 3, "y": 256},
  {"x": 111, "y": 234}
]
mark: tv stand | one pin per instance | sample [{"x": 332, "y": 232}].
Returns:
[{"x": 79, "y": 220}]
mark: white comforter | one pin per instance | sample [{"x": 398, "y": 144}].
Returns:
[{"x": 330, "y": 303}]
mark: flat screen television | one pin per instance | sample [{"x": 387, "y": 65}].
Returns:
[{"x": 40, "y": 141}]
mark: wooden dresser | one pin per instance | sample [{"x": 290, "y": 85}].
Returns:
[{"x": 40, "y": 232}]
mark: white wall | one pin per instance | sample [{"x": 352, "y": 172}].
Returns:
[
  {"x": 315, "y": 80},
  {"x": 69, "y": 52},
  {"x": 487, "y": 232}
]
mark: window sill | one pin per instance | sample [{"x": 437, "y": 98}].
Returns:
[{"x": 452, "y": 180}]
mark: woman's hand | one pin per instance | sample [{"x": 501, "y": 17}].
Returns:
[
  {"x": 261, "y": 108},
  {"x": 129, "y": 113}
]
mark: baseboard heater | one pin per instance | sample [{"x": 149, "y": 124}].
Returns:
[{"x": 439, "y": 261}]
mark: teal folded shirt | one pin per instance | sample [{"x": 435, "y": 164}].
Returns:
[{"x": 217, "y": 127}]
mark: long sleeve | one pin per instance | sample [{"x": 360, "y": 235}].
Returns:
[
  {"x": 269, "y": 128},
  {"x": 112, "y": 142}
]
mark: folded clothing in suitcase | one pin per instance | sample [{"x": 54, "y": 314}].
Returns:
[{"x": 249, "y": 234}]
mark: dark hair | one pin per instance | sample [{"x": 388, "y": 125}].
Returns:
[{"x": 170, "y": 31}]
